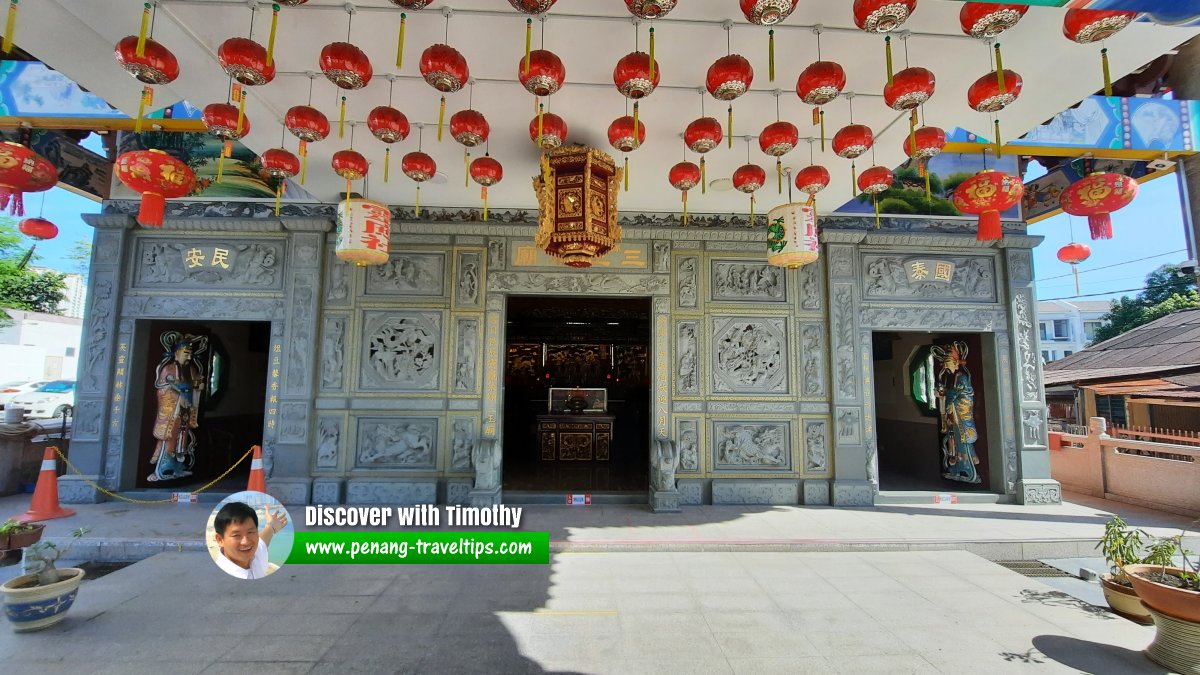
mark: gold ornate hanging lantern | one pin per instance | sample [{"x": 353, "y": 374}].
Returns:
[{"x": 577, "y": 195}]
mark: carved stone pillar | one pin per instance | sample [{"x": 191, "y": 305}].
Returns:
[
  {"x": 488, "y": 458},
  {"x": 664, "y": 456}
]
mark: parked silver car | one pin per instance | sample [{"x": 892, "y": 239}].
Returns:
[
  {"x": 10, "y": 389},
  {"x": 48, "y": 400}
]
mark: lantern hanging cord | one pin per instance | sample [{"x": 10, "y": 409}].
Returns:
[
  {"x": 905, "y": 38},
  {"x": 747, "y": 149},
  {"x": 777, "y": 93},
  {"x": 228, "y": 90},
  {"x": 1070, "y": 224},
  {"x": 420, "y": 136},
  {"x": 253, "y": 13},
  {"x": 471, "y": 95},
  {"x": 446, "y": 39},
  {"x": 153, "y": 16},
  {"x": 542, "y": 32},
  {"x": 311, "y": 78},
  {"x": 702, "y": 102},
  {"x": 788, "y": 172},
  {"x": 349, "y": 21},
  {"x": 42, "y": 207},
  {"x": 351, "y": 135},
  {"x": 850, "y": 100},
  {"x": 810, "y": 152},
  {"x": 391, "y": 88},
  {"x": 728, "y": 47}
]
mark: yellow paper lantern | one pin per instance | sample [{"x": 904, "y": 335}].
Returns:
[
  {"x": 364, "y": 228},
  {"x": 792, "y": 235}
]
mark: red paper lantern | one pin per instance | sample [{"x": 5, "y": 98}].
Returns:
[
  {"x": 1074, "y": 253},
  {"x": 909, "y": 88},
  {"x": 767, "y": 12},
  {"x": 409, "y": 4},
  {"x": 388, "y": 124},
  {"x": 986, "y": 194},
  {"x": 1086, "y": 26},
  {"x": 554, "y": 131},
  {"x": 418, "y": 166},
  {"x": 779, "y": 138},
  {"x": 875, "y": 180},
  {"x": 821, "y": 82},
  {"x": 853, "y": 140},
  {"x": 22, "y": 170},
  {"x": 882, "y": 16},
  {"x": 749, "y": 178},
  {"x": 346, "y": 65},
  {"x": 729, "y": 77},
  {"x": 532, "y": 6},
  {"x": 350, "y": 164},
  {"x": 486, "y": 171},
  {"x": 306, "y": 123},
  {"x": 1096, "y": 196},
  {"x": 156, "y": 65},
  {"x": 929, "y": 142},
  {"x": 221, "y": 120},
  {"x": 988, "y": 19},
  {"x": 985, "y": 94},
  {"x": 703, "y": 134},
  {"x": 158, "y": 177},
  {"x": 632, "y": 75},
  {"x": 684, "y": 176},
  {"x": 545, "y": 74},
  {"x": 620, "y": 134},
  {"x": 469, "y": 127},
  {"x": 650, "y": 9},
  {"x": 444, "y": 68},
  {"x": 38, "y": 228},
  {"x": 279, "y": 163},
  {"x": 812, "y": 179},
  {"x": 245, "y": 61}
]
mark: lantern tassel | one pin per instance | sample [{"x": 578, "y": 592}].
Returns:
[
  {"x": 400, "y": 41},
  {"x": 146, "y": 98},
  {"x": 636, "y": 135},
  {"x": 853, "y": 179},
  {"x": 875, "y": 200},
  {"x": 152, "y": 209},
  {"x": 989, "y": 227},
  {"x": 140, "y": 50},
  {"x": 771, "y": 55},
  {"x": 541, "y": 111},
  {"x": 1100, "y": 225},
  {"x": 703, "y": 177},
  {"x": 417, "y": 211},
  {"x": 730, "y": 133},
  {"x": 342, "y": 119},
  {"x": 1075, "y": 271},
  {"x": 751, "y": 209},
  {"x": 241, "y": 113},
  {"x": 1000, "y": 70},
  {"x": 822, "y": 131},
  {"x": 278, "y": 195},
  {"x": 928, "y": 191},
  {"x": 627, "y": 173},
  {"x": 271, "y": 38},
  {"x": 483, "y": 193},
  {"x": 887, "y": 55},
  {"x": 651, "y": 53},
  {"x": 528, "y": 42},
  {"x": 348, "y": 187},
  {"x": 441, "y": 118},
  {"x": 685, "y": 219},
  {"x": 1108, "y": 90},
  {"x": 304, "y": 161},
  {"x": 999, "y": 145},
  {"x": 779, "y": 175},
  {"x": 221, "y": 162},
  {"x": 10, "y": 26},
  {"x": 466, "y": 168}
]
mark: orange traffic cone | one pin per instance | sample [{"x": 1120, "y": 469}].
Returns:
[
  {"x": 258, "y": 482},
  {"x": 45, "y": 494}
]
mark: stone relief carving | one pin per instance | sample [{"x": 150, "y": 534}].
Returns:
[
  {"x": 87, "y": 419},
  {"x": 921, "y": 318},
  {"x": 401, "y": 350},
  {"x": 329, "y": 433},
  {"x": 293, "y": 419},
  {"x": 841, "y": 262},
  {"x": 849, "y": 428},
  {"x": 843, "y": 333},
  {"x": 643, "y": 284},
  {"x": 408, "y": 274},
  {"x": 747, "y": 282},
  {"x": 854, "y": 494},
  {"x": 973, "y": 279},
  {"x": 306, "y": 254},
  {"x": 495, "y": 302},
  {"x": 298, "y": 364},
  {"x": 749, "y": 355},
  {"x": 208, "y": 263},
  {"x": 106, "y": 246},
  {"x": 1042, "y": 493},
  {"x": 462, "y": 442},
  {"x": 1010, "y": 443},
  {"x": 687, "y": 380},
  {"x": 757, "y": 445},
  {"x": 1027, "y": 348},
  {"x": 486, "y": 458},
  {"x": 496, "y": 258},
  {"x": 688, "y": 433},
  {"x": 816, "y": 452},
  {"x": 810, "y": 286},
  {"x": 1032, "y": 424},
  {"x": 332, "y": 351},
  {"x": 100, "y": 308},
  {"x": 662, "y": 256},
  {"x": 392, "y": 492},
  {"x": 406, "y": 443},
  {"x": 688, "y": 281},
  {"x": 214, "y": 308},
  {"x": 1020, "y": 267},
  {"x": 662, "y": 305},
  {"x": 663, "y": 465},
  {"x": 812, "y": 354},
  {"x": 468, "y": 279},
  {"x": 755, "y": 492},
  {"x": 465, "y": 349},
  {"x": 337, "y": 290}
]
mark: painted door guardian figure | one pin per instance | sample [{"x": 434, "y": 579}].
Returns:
[
  {"x": 179, "y": 382},
  {"x": 956, "y": 410}
]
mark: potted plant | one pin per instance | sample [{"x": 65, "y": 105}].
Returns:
[
  {"x": 1173, "y": 595},
  {"x": 41, "y": 599},
  {"x": 14, "y": 535},
  {"x": 1123, "y": 545}
]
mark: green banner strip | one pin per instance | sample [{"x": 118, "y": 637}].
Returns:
[{"x": 420, "y": 548}]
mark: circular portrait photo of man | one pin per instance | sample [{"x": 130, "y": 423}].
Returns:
[{"x": 249, "y": 535}]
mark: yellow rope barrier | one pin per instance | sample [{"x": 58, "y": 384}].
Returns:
[{"x": 114, "y": 495}]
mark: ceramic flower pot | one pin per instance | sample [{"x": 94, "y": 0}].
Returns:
[
  {"x": 30, "y": 607},
  {"x": 1179, "y": 603},
  {"x": 20, "y": 540},
  {"x": 1124, "y": 601}
]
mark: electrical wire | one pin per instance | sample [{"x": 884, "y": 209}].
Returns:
[
  {"x": 1104, "y": 267},
  {"x": 1173, "y": 284}
]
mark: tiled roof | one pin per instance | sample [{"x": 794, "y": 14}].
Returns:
[{"x": 1171, "y": 342}]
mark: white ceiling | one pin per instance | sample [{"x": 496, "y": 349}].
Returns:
[{"x": 77, "y": 38}]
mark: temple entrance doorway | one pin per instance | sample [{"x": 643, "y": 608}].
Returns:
[
  {"x": 576, "y": 396},
  {"x": 212, "y": 372},
  {"x": 934, "y": 399}
]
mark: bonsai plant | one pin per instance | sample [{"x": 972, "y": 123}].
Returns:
[
  {"x": 1124, "y": 545},
  {"x": 41, "y": 598}
]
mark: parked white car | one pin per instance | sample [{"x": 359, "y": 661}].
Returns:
[
  {"x": 48, "y": 400},
  {"x": 10, "y": 389}
]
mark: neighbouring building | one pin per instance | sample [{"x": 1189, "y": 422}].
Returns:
[
  {"x": 1066, "y": 327},
  {"x": 39, "y": 346}
]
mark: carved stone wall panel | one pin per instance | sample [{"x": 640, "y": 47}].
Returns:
[
  {"x": 215, "y": 308},
  {"x": 914, "y": 317},
  {"x": 760, "y": 446},
  {"x": 812, "y": 360},
  {"x": 329, "y": 442},
  {"x": 408, "y": 274},
  {"x": 468, "y": 285},
  {"x": 401, "y": 351},
  {"x": 492, "y": 357},
  {"x": 333, "y": 353},
  {"x": 397, "y": 443},
  {"x": 391, "y": 492},
  {"x": 687, "y": 360},
  {"x": 853, "y": 493},
  {"x": 816, "y": 493},
  {"x": 574, "y": 283},
  {"x": 870, "y": 443},
  {"x": 496, "y": 257},
  {"x": 1009, "y": 429},
  {"x": 755, "y": 492},
  {"x": 748, "y": 355},
  {"x": 841, "y": 261},
  {"x": 89, "y": 420},
  {"x": 1020, "y": 266},
  {"x": 687, "y": 281},
  {"x": 848, "y": 423},
  {"x": 1033, "y": 428},
  {"x": 1043, "y": 491},
  {"x": 339, "y": 281},
  {"x": 752, "y": 406},
  {"x": 327, "y": 491},
  {"x": 744, "y": 281},
  {"x": 810, "y": 286},
  {"x": 691, "y": 492},
  {"x": 1027, "y": 346},
  {"x": 662, "y": 256},
  {"x": 466, "y": 350},
  {"x": 959, "y": 279},
  {"x": 293, "y": 422},
  {"x": 99, "y": 331},
  {"x": 301, "y": 326},
  {"x": 687, "y": 441},
  {"x": 206, "y": 264},
  {"x": 662, "y": 369},
  {"x": 816, "y": 446},
  {"x": 462, "y": 441},
  {"x": 845, "y": 345},
  {"x": 687, "y": 406}
]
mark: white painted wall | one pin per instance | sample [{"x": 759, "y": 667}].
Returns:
[{"x": 39, "y": 346}]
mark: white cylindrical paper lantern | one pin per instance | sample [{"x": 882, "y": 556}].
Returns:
[
  {"x": 364, "y": 228},
  {"x": 792, "y": 235}
]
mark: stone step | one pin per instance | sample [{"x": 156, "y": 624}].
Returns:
[{"x": 932, "y": 497}]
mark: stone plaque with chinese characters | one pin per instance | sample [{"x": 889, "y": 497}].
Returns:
[
  {"x": 208, "y": 263},
  {"x": 950, "y": 278},
  {"x": 524, "y": 254}
]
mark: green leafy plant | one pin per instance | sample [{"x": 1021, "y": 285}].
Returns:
[
  {"x": 1124, "y": 545},
  {"x": 40, "y": 558},
  {"x": 11, "y": 526},
  {"x": 1164, "y": 551}
]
